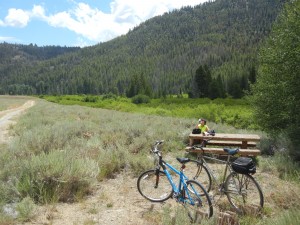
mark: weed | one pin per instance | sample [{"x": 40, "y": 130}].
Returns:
[
  {"x": 26, "y": 209},
  {"x": 109, "y": 205}
]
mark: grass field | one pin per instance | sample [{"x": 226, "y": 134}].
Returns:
[{"x": 99, "y": 143}]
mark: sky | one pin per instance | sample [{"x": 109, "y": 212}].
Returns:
[{"x": 77, "y": 22}]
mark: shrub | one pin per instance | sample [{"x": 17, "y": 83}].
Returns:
[
  {"x": 111, "y": 162},
  {"x": 110, "y": 96},
  {"x": 26, "y": 209},
  {"x": 90, "y": 98},
  {"x": 56, "y": 176},
  {"x": 139, "y": 99}
]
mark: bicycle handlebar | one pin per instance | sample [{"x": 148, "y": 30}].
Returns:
[{"x": 155, "y": 149}]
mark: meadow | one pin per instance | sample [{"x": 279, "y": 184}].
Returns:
[
  {"x": 60, "y": 153},
  {"x": 234, "y": 112}
]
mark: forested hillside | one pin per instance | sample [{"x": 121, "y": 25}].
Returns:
[
  {"x": 15, "y": 57},
  {"x": 160, "y": 56}
]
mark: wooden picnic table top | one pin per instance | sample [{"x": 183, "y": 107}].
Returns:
[{"x": 227, "y": 137}]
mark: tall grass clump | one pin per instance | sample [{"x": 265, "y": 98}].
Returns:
[
  {"x": 56, "y": 176},
  {"x": 285, "y": 217},
  {"x": 26, "y": 209},
  {"x": 286, "y": 167}
]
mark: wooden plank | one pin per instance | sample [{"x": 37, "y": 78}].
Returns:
[
  {"x": 229, "y": 143},
  {"x": 228, "y": 137},
  {"x": 220, "y": 151},
  {"x": 243, "y": 138}
]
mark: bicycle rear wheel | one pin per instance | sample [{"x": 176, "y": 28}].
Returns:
[
  {"x": 154, "y": 186},
  {"x": 244, "y": 193},
  {"x": 197, "y": 202},
  {"x": 195, "y": 170}
]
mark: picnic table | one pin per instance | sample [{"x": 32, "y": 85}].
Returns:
[{"x": 216, "y": 143}]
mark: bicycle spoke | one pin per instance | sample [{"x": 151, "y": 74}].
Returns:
[
  {"x": 154, "y": 187},
  {"x": 196, "y": 171},
  {"x": 197, "y": 202},
  {"x": 243, "y": 193}
]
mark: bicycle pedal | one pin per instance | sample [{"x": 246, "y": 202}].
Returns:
[{"x": 175, "y": 195}]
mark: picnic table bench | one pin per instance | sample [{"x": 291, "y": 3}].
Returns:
[{"x": 216, "y": 143}]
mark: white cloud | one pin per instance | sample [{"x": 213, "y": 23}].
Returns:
[
  {"x": 38, "y": 12},
  {"x": 93, "y": 24},
  {"x": 16, "y": 18},
  {"x": 7, "y": 38}
]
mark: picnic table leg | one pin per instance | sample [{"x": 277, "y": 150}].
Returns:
[
  {"x": 244, "y": 144},
  {"x": 191, "y": 142}
]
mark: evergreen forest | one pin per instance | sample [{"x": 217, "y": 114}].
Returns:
[{"x": 209, "y": 50}]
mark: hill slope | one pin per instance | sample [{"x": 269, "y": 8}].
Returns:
[{"x": 165, "y": 51}]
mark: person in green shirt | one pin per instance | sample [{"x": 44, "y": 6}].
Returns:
[{"x": 202, "y": 126}]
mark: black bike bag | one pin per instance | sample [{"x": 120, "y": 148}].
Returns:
[{"x": 244, "y": 165}]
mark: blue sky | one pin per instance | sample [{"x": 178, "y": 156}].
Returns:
[{"x": 77, "y": 23}]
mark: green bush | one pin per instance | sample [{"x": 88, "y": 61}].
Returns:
[
  {"x": 110, "y": 96},
  {"x": 90, "y": 98},
  {"x": 139, "y": 99}
]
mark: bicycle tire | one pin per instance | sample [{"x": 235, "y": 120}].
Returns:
[
  {"x": 200, "y": 207},
  {"x": 244, "y": 193},
  {"x": 195, "y": 170},
  {"x": 154, "y": 186}
]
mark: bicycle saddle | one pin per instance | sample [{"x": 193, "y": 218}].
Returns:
[
  {"x": 231, "y": 151},
  {"x": 183, "y": 160}
]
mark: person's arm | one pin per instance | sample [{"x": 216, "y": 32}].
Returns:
[{"x": 206, "y": 129}]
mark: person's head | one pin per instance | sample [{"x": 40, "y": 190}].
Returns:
[{"x": 202, "y": 121}]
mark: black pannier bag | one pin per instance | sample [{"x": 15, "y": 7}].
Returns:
[
  {"x": 196, "y": 131},
  {"x": 244, "y": 165}
]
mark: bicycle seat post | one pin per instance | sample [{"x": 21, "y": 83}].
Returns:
[{"x": 182, "y": 167}]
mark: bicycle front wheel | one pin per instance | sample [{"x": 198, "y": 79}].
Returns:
[
  {"x": 154, "y": 186},
  {"x": 196, "y": 170},
  {"x": 244, "y": 193},
  {"x": 197, "y": 202}
]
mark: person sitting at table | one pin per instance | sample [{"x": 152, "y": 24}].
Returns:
[{"x": 202, "y": 126}]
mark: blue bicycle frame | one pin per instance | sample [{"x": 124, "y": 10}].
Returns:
[{"x": 182, "y": 184}]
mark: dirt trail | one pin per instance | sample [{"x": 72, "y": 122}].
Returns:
[{"x": 7, "y": 118}]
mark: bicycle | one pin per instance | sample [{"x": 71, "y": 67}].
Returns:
[
  {"x": 157, "y": 185},
  {"x": 242, "y": 190}
]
